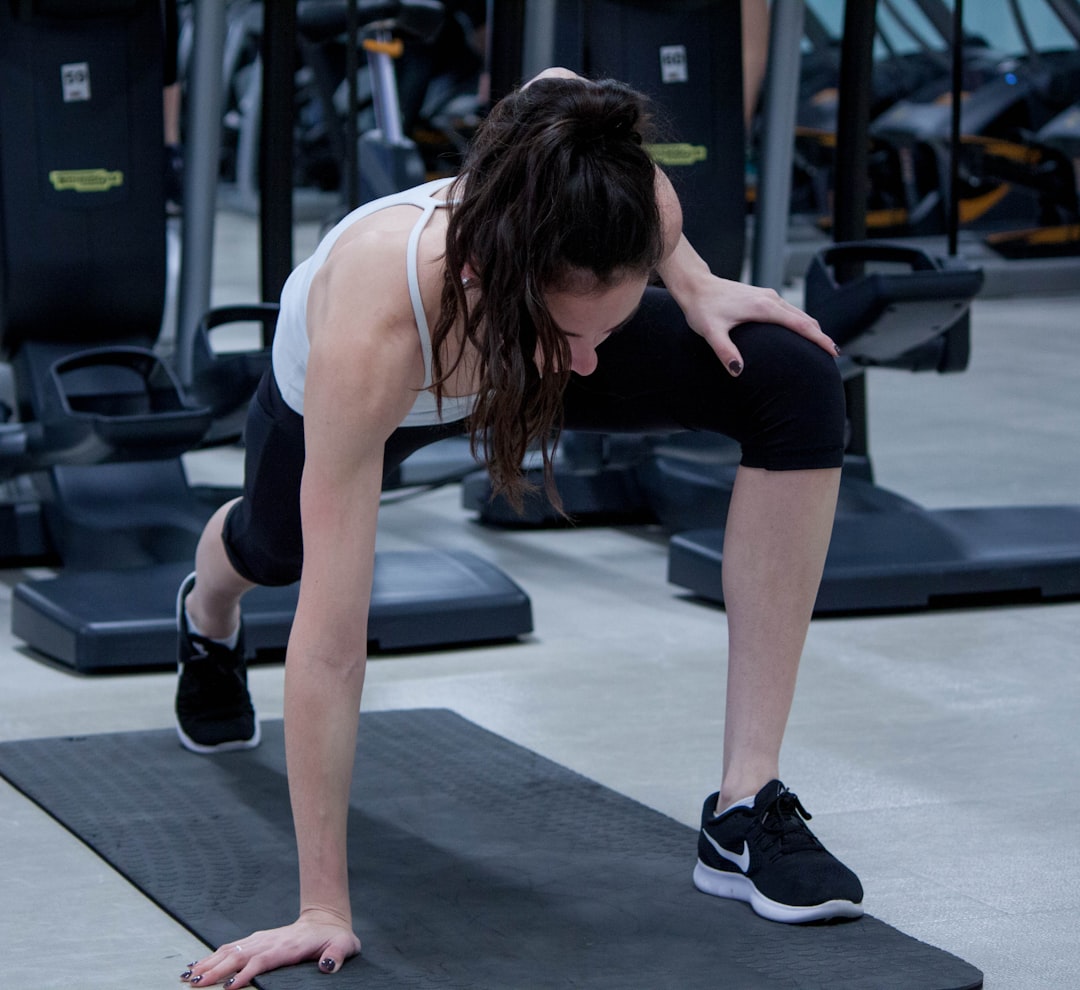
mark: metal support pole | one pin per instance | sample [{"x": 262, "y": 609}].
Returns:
[
  {"x": 276, "y": 148},
  {"x": 384, "y": 84},
  {"x": 539, "y": 48},
  {"x": 957, "y": 89},
  {"x": 852, "y": 181},
  {"x": 777, "y": 144},
  {"x": 202, "y": 150},
  {"x": 351, "y": 184},
  {"x": 506, "y": 40}
]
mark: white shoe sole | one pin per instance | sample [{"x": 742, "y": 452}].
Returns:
[{"x": 736, "y": 887}]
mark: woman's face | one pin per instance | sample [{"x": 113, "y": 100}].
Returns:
[{"x": 589, "y": 318}]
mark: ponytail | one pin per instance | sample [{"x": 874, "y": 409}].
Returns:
[{"x": 556, "y": 184}]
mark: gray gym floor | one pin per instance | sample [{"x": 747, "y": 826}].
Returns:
[{"x": 937, "y": 751}]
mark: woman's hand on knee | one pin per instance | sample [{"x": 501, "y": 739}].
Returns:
[
  {"x": 715, "y": 313},
  {"x": 318, "y": 936}
]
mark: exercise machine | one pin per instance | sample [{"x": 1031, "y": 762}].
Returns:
[
  {"x": 1006, "y": 99},
  {"x": 1048, "y": 164},
  {"x": 98, "y": 421},
  {"x": 914, "y": 54},
  {"x": 1014, "y": 186},
  {"x": 345, "y": 109},
  {"x": 892, "y": 306}
]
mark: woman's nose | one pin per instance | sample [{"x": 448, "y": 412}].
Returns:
[{"x": 583, "y": 360}]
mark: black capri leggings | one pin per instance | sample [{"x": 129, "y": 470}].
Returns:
[{"x": 655, "y": 375}]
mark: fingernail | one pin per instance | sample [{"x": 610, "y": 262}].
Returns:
[
  {"x": 735, "y": 367},
  {"x": 328, "y": 964},
  {"x": 836, "y": 347},
  {"x": 195, "y": 979},
  {"x": 230, "y": 981},
  {"x": 186, "y": 975}
]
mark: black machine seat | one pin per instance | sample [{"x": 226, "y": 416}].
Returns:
[
  {"x": 907, "y": 300},
  {"x": 322, "y": 19},
  {"x": 224, "y": 381},
  {"x": 117, "y": 404}
]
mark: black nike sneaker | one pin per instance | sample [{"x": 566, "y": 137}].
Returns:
[
  {"x": 763, "y": 853},
  {"x": 214, "y": 713}
]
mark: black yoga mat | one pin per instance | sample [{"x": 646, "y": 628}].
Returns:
[{"x": 476, "y": 864}]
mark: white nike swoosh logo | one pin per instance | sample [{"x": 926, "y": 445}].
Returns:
[{"x": 742, "y": 861}]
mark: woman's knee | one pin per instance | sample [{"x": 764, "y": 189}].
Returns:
[
  {"x": 793, "y": 400},
  {"x": 268, "y": 557}
]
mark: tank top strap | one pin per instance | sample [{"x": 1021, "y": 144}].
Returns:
[{"x": 412, "y": 269}]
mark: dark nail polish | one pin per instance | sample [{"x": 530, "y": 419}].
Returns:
[
  {"x": 230, "y": 981},
  {"x": 735, "y": 367},
  {"x": 195, "y": 979},
  {"x": 186, "y": 975},
  {"x": 328, "y": 964}
]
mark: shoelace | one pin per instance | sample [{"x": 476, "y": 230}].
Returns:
[
  {"x": 784, "y": 818},
  {"x": 219, "y": 662}
]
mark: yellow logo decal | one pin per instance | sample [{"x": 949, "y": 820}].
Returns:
[
  {"x": 85, "y": 179},
  {"x": 678, "y": 154}
]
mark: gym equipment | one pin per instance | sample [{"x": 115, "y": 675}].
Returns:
[
  {"x": 339, "y": 101},
  {"x": 887, "y": 552},
  {"x": 899, "y": 72},
  {"x": 685, "y": 56},
  {"x": 1048, "y": 164},
  {"x": 1055, "y": 149},
  {"x": 106, "y": 621},
  {"x": 1006, "y": 99},
  {"x": 1017, "y": 189},
  {"x": 388, "y": 160},
  {"x": 82, "y": 226},
  {"x": 91, "y": 452},
  {"x": 447, "y": 900}
]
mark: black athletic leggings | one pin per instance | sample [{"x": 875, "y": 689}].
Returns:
[{"x": 655, "y": 375}]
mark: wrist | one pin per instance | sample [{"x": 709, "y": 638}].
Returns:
[
  {"x": 326, "y": 915},
  {"x": 684, "y": 272}
]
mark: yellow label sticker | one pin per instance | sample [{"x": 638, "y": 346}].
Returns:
[
  {"x": 85, "y": 179},
  {"x": 678, "y": 154}
]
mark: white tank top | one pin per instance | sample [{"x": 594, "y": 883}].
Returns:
[{"x": 291, "y": 344}]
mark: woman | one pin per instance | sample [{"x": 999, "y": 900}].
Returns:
[{"x": 521, "y": 306}]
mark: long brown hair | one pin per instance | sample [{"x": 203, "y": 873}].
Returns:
[{"x": 556, "y": 183}]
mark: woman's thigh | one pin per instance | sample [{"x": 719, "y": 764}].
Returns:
[{"x": 656, "y": 375}]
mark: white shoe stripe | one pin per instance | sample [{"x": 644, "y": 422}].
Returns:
[{"x": 741, "y": 860}]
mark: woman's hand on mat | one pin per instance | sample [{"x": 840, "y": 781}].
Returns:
[
  {"x": 315, "y": 935},
  {"x": 721, "y": 305}
]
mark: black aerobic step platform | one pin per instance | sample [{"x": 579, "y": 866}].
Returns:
[
  {"x": 100, "y": 621},
  {"x": 918, "y": 558}
]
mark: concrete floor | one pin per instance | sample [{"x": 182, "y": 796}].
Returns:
[{"x": 936, "y": 750}]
